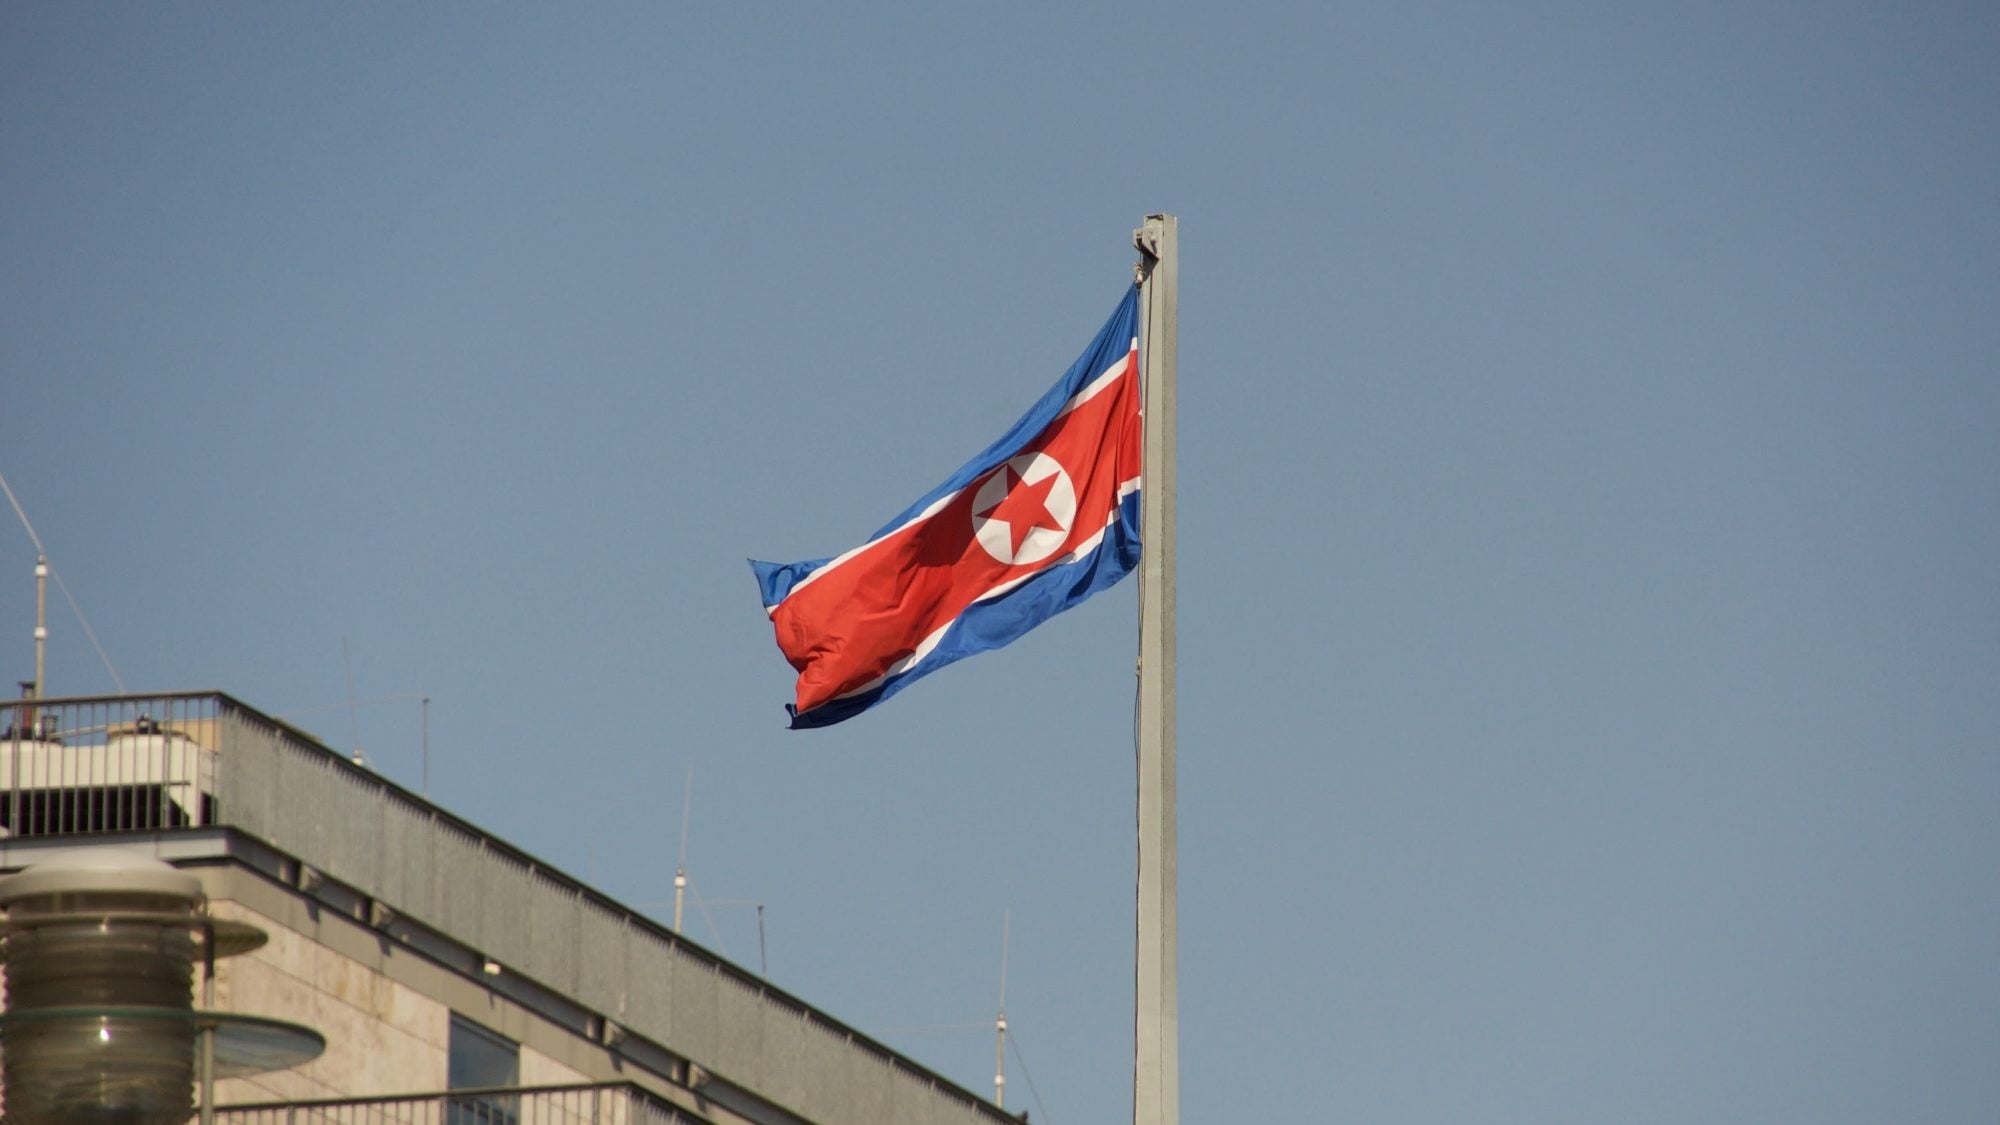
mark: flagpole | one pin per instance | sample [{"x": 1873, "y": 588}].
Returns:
[{"x": 1156, "y": 1059}]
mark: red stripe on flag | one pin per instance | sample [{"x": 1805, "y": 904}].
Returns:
[{"x": 852, "y": 623}]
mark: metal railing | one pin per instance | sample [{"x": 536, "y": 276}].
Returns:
[
  {"x": 129, "y": 763},
  {"x": 601, "y": 1104}
]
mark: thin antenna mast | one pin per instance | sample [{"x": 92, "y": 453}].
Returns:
[
  {"x": 44, "y": 571},
  {"x": 1000, "y": 1023},
  {"x": 41, "y": 622},
  {"x": 353, "y": 708},
  {"x": 681, "y": 868},
  {"x": 354, "y": 705}
]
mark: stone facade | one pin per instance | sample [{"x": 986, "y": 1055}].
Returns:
[{"x": 385, "y": 1012}]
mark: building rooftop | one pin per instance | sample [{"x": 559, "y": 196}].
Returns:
[{"x": 214, "y": 786}]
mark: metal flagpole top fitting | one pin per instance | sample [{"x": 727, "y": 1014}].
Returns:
[{"x": 1146, "y": 240}]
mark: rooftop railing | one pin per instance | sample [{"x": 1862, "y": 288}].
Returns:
[
  {"x": 604, "y": 1104},
  {"x": 120, "y": 764}
]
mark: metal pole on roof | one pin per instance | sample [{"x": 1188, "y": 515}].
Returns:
[
  {"x": 681, "y": 869},
  {"x": 1000, "y": 1021},
  {"x": 208, "y": 1029},
  {"x": 41, "y": 623}
]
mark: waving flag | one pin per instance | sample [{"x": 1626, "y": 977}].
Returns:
[{"x": 1045, "y": 517}]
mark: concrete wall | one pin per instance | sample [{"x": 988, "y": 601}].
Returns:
[
  {"x": 381, "y": 1037},
  {"x": 385, "y": 1013}
]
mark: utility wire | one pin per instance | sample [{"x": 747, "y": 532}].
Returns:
[
  {"x": 1013, "y": 1041},
  {"x": 914, "y": 1028},
  {"x": 408, "y": 696},
  {"x": 32, "y": 537},
  {"x": 42, "y": 552},
  {"x": 1022, "y": 1059},
  {"x": 702, "y": 906}
]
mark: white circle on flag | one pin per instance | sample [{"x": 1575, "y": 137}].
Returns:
[{"x": 1023, "y": 512}]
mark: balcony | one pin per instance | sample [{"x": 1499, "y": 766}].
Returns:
[{"x": 604, "y": 1104}]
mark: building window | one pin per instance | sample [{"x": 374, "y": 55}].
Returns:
[{"x": 481, "y": 1060}]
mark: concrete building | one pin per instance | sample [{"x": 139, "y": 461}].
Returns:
[{"x": 453, "y": 977}]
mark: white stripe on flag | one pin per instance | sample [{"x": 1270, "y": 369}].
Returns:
[
  {"x": 929, "y": 644},
  {"x": 1091, "y": 390}
]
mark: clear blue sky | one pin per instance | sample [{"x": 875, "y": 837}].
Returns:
[{"x": 1590, "y": 574}]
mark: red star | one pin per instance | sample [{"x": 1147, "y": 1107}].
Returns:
[{"x": 1024, "y": 508}]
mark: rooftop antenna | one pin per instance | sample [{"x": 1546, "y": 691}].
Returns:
[
  {"x": 682, "y": 884},
  {"x": 352, "y": 704},
  {"x": 763, "y": 948},
  {"x": 42, "y": 574},
  {"x": 1000, "y": 1023},
  {"x": 353, "y": 708},
  {"x": 41, "y": 620},
  {"x": 681, "y": 868}
]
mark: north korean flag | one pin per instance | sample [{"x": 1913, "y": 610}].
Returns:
[{"x": 1045, "y": 517}]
